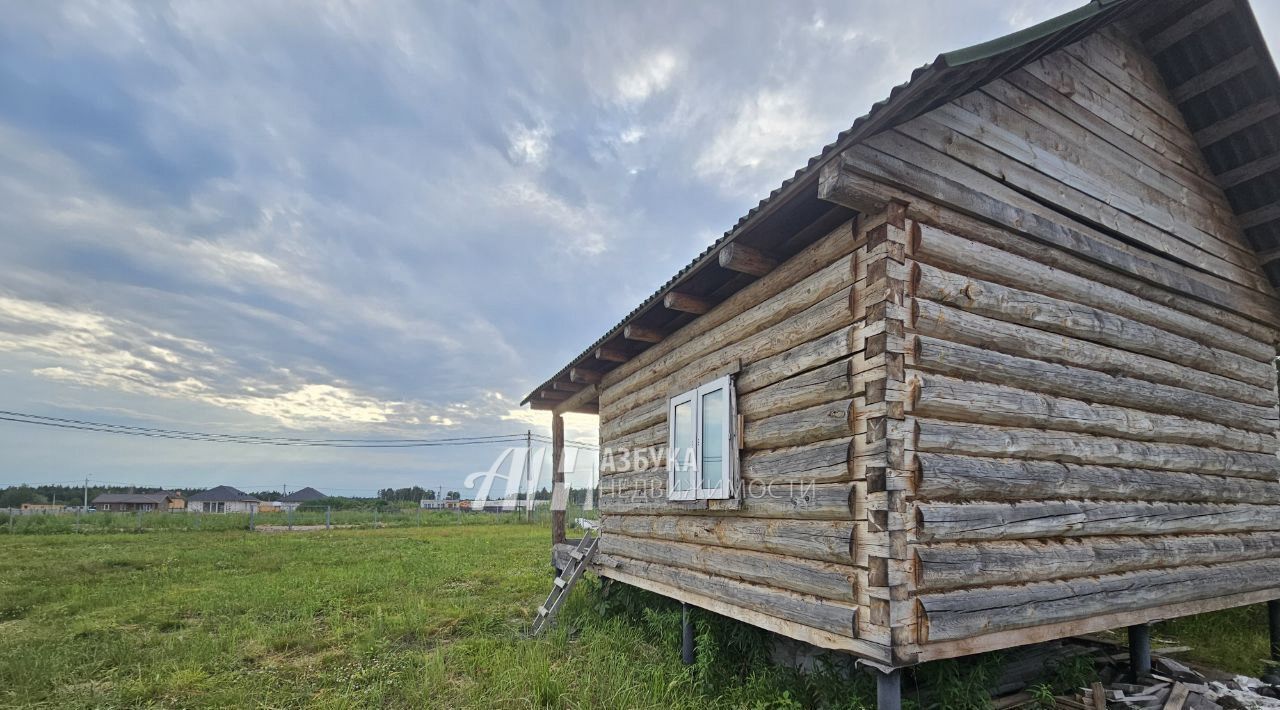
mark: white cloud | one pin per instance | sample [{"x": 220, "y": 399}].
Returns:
[
  {"x": 770, "y": 134},
  {"x": 652, "y": 76},
  {"x": 529, "y": 145}
]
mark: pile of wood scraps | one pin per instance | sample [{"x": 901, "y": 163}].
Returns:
[{"x": 1170, "y": 686}]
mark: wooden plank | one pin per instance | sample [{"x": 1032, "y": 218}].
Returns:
[
  {"x": 805, "y": 356},
  {"x": 970, "y": 613},
  {"x": 968, "y": 439},
  {"x": 820, "y": 462},
  {"x": 831, "y": 541},
  {"x": 1260, "y": 216},
  {"x": 798, "y": 501},
  {"x": 947, "y": 566},
  {"x": 852, "y": 189},
  {"x": 766, "y": 621},
  {"x": 707, "y": 335},
  {"x": 1227, "y": 69},
  {"x": 1101, "y": 621},
  {"x": 985, "y": 134},
  {"x": 1189, "y": 23},
  {"x": 1238, "y": 121},
  {"x": 826, "y": 614},
  {"x": 744, "y": 259},
  {"x": 1250, "y": 170},
  {"x": 958, "y": 254},
  {"x": 941, "y": 397},
  {"x": 950, "y": 346},
  {"x": 918, "y": 168},
  {"x": 950, "y": 477},
  {"x": 753, "y": 298},
  {"x": 686, "y": 303},
  {"x": 957, "y": 522},
  {"x": 1084, "y": 322},
  {"x": 581, "y": 401},
  {"x": 805, "y": 426},
  {"x": 820, "y": 579},
  {"x": 815, "y": 387}
]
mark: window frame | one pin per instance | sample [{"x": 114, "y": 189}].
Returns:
[{"x": 728, "y": 486}]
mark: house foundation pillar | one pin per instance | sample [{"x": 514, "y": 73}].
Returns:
[
  {"x": 888, "y": 689},
  {"x": 1139, "y": 650},
  {"x": 687, "y": 655}
]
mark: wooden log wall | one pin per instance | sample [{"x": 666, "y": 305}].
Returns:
[
  {"x": 786, "y": 554},
  {"x": 1082, "y": 430}
]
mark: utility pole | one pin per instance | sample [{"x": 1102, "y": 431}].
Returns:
[
  {"x": 528, "y": 486},
  {"x": 86, "y": 493}
]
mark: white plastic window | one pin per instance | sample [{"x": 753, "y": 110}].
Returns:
[{"x": 702, "y": 454}]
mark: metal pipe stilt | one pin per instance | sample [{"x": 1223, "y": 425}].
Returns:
[
  {"x": 1139, "y": 651},
  {"x": 687, "y": 655},
  {"x": 889, "y": 689}
]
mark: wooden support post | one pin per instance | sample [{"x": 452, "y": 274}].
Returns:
[
  {"x": 557, "y": 478},
  {"x": 687, "y": 655},
  {"x": 1139, "y": 651},
  {"x": 889, "y": 689}
]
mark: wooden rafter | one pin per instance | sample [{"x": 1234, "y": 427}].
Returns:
[
  {"x": 686, "y": 303},
  {"x": 1237, "y": 122},
  {"x": 584, "y": 376},
  {"x": 609, "y": 354},
  {"x": 744, "y": 259},
  {"x": 642, "y": 334},
  {"x": 1227, "y": 69}
]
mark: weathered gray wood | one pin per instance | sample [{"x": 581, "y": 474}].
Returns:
[
  {"x": 759, "y": 299},
  {"x": 809, "y": 310},
  {"x": 852, "y": 188},
  {"x": 831, "y": 541},
  {"x": 824, "y": 614},
  {"x": 955, "y": 253},
  {"x": 953, "y": 477},
  {"x": 609, "y": 354},
  {"x": 911, "y": 165},
  {"x": 823, "y": 462},
  {"x": 940, "y": 397},
  {"x": 946, "y": 349},
  {"x": 1187, "y": 24},
  {"x": 805, "y": 356},
  {"x": 954, "y": 522},
  {"x": 1215, "y": 75},
  {"x": 818, "y": 423},
  {"x": 821, "y": 579},
  {"x": 1084, "y": 322},
  {"x": 807, "y": 389},
  {"x": 964, "y": 614},
  {"x": 984, "y": 564},
  {"x": 585, "y": 376},
  {"x": 969, "y": 130},
  {"x": 634, "y": 420},
  {"x": 802, "y": 501},
  {"x": 1009, "y": 442},
  {"x": 1237, "y": 122}
]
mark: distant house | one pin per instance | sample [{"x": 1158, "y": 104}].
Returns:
[
  {"x": 445, "y": 504},
  {"x": 301, "y": 497},
  {"x": 223, "y": 499},
  {"x": 41, "y": 508},
  {"x": 129, "y": 502}
]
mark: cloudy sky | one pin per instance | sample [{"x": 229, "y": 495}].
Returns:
[{"x": 383, "y": 219}]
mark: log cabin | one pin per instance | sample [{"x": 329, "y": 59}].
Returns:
[{"x": 996, "y": 367}]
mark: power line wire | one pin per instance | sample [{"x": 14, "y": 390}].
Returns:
[{"x": 150, "y": 432}]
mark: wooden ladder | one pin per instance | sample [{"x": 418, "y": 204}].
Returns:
[{"x": 579, "y": 558}]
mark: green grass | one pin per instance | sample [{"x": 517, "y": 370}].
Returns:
[{"x": 406, "y": 616}]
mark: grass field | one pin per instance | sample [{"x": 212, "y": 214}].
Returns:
[{"x": 396, "y": 617}]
